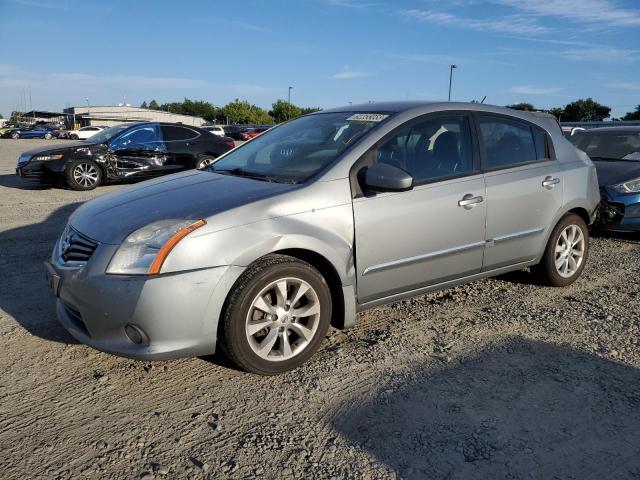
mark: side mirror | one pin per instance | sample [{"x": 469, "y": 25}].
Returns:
[{"x": 383, "y": 177}]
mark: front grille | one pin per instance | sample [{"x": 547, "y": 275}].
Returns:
[{"x": 75, "y": 248}]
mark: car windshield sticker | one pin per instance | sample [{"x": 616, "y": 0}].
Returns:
[{"x": 367, "y": 117}]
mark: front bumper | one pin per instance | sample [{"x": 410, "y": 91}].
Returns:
[
  {"x": 177, "y": 313},
  {"x": 36, "y": 171},
  {"x": 627, "y": 208}
]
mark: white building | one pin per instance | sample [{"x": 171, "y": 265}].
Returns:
[{"x": 108, "y": 116}]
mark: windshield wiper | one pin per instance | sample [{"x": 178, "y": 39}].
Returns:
[{"x": 240, "y": 172}]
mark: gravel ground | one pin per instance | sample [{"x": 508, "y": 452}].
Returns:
[{"x": 502, "y": 378}]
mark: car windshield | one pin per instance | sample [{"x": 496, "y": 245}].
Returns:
[
  {"x": 107, "y": 134},
  {"x": 622, "y": 146},
  {"x": 299, "y": 149}
]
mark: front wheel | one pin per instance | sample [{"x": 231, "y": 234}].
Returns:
[
  {"x": 73, "y": 136},
  {"x": 83, "y": 175},
  {"x": 15, "y": 135},
  {"x": 566, "y": 252},
  {"x": 276, "y": 316}
]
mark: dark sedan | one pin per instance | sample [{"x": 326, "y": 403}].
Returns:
[
  {"x": 615, "y": 152},
  {"x": 130, "y": 151}
]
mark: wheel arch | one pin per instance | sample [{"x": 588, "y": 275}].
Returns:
[{"x": 330, "y": 274}]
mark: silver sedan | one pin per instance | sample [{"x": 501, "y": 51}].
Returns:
[{"x": 316, "y": 220}]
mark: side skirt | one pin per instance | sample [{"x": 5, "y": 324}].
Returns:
[{"x": 441, "y": 286}]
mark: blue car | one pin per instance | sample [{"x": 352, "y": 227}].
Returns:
[
  {"x": 615, "y": 151},
  {"x": 34, "y": 131}
]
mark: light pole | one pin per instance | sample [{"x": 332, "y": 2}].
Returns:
[
  {"x": 451, "y": 78},
  {"x": 88, "y": 110},
  {"x": 289, "y": 101}
]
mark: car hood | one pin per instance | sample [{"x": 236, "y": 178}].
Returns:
[
  {"x": 188, "y": 195},
  {"x": 611, "y": 172},
  {"x": 63, "y": 148}
]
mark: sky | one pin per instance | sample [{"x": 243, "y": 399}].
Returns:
[{"x": 62, "y": 53}]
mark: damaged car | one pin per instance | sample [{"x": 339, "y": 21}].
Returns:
[
  {"x": 317, "y": 219},
  {"x": 124, "y": 152},
  {"x": 615, "y": 152}
]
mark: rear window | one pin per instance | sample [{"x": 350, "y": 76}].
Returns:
[
  {"x": 172, "y": 133},
  {"x": 508, "y": 143}
]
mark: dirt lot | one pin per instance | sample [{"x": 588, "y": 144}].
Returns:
[{"x": 499, "y": 379}]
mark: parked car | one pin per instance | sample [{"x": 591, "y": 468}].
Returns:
[
  {"x": 250, "y": 133},
  {"x": 130, "y": 151},
  {"x": 233, "y": 131},
  {"x": 83, "y": 133},
  {"x": 33, "y": 131},
  {"x": 615, "y": 152},
  {"x": 9, "y": 126},
  {"x": 317, "y": 219},
  {"x": 215, "y": 129}
]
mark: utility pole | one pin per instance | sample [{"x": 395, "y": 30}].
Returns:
[
  {"x": 451, "y": 78},
  {"x": 289, "y": 101}
]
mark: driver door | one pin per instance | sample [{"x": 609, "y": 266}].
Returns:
[
  {"x": 434, "y": 232},
  {"x": 140, "y": 151}
]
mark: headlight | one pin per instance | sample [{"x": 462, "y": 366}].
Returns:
[
  {"x": 632, "y": 186},
  {"x": 145, "y": 250},
  {"x": 53, "y": 156}
]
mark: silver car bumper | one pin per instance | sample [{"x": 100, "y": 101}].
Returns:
[{"x": 174, "y": 315}]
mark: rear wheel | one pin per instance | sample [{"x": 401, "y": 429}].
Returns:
[
  {"x": 73, "y": 136},
  {"x": 204, "y": 161},
  {"x": 276, "y": 316},
  {"x": 15, "y": 135},
  {"x": 83, "y": 175},
  {"x": 566, "y": 252}
]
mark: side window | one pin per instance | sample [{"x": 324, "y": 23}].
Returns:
[
  {"x": 540, "y": 139},
  {"x": 435, "y": 148},
  {"x": 145, "y": 138},
  {"x": 173, "y": 133},
  {"x": 506, "y": 142}
]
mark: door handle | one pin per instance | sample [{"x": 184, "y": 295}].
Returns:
[
  {"x": 550, "y": 182},
  {"x": 469, "y": 201}
]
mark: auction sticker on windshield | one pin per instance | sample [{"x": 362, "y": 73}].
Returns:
[{"x": 367, "y": 117}]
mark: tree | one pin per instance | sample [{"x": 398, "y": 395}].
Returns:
[
  {"x": 527, "y": 107},
  {"x": 586, "y": 110},
  {"x": 556, "y": 112},
  {"x": 1, "y": 116},
  {"x": 144, "y": 105},
  {"x": 635, "y": 115},
  {"x": 153, "y": 105},
  {"x": 241, "y": 111},
  {"x": 282, "y": 111}
]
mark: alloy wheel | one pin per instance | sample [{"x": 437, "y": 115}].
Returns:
[
  {"x": 569, "y": 251},
  {"x": 85, "y": 174},
  {"x": 283, "y": 319},
  {"x": 205, "y": 162}
]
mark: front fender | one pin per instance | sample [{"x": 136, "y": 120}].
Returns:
[{"x": 327, "y": 232}]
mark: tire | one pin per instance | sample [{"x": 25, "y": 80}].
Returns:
[
  {"x": 15, "y": 135},
  {"x": 73, "y": 137},
  {"x": 48, "y": 136},
  {"x": 563, "y": 267},
  {"x": 259, "y": 285},
  {"x": 83, "y": 175},
  {"x": 204, "y": 161}
]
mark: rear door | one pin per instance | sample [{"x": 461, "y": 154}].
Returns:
[
  {"x": 432, "y": 233},
  {"x": 524, "y": 188},
  {"x": 182, "y": 145}
]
